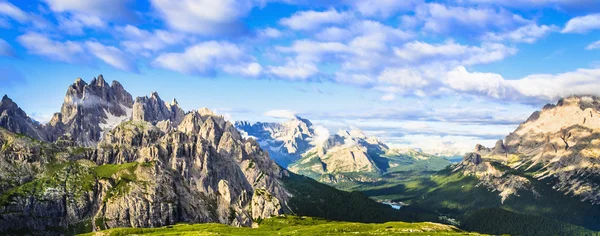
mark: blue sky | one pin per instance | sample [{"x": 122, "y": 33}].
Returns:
[{"x": 437, "y": 75}]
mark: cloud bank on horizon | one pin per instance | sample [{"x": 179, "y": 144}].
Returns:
[{"x": 427, "y": 74}]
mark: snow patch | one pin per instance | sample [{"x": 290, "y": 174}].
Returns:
[{"x": 113, "y": 121}]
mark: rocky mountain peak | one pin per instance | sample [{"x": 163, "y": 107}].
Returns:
[
  {"x": 153, "y": 109},
  {"x": 14, "y": 119},
  {"x": 7, "y": 103},
  {"x": 99, "y": 82},
  {"x": 89, "y": 109}
]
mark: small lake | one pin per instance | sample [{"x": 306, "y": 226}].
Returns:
[{"x": 393, "y": 205}]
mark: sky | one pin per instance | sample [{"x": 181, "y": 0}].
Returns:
[{"x": 436, "y": 75}]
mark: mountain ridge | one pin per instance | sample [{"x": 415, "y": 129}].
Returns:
[{"x": 348, "y": 155}]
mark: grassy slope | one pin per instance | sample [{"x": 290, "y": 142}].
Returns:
[{"x": 295, "y": 226}]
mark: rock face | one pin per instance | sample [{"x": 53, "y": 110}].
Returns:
[
  {"x": 345, "y": 156},
  {"x": 162, "y": 167},
  {"x": 16, "y": 120},
  {"x": 89, "y": 110},
  {"x": 153, "y": 109},
  {"x": 560, "y": 144},
  {"x": 286, "y": 141}
]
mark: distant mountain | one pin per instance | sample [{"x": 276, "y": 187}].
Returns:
[
  {"x": 345, "y": 156},
  {"x": 109, "y": 161},
  {"x": 544, "y": 173},
  {"x": 560, "y": 143},
  {"x": 286, "y": 141}
]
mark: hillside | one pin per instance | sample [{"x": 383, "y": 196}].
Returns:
[{"x": 289, "y": 225}]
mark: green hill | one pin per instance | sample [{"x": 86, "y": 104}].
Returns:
[{"x": 289, "y": 225}]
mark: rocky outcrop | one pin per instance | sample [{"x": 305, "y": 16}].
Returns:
[
  {"x": 16, "y": 120},
  {"x": 560, "y": 144},
  {"x": 160, "y": 168},
  {"x": 153, "y": 109},
  {"x": 88, "y": 111}
]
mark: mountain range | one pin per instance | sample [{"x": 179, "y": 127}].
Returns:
[
  {"x": 345, "y": 156},
  {"x": 107, "y": 160}
]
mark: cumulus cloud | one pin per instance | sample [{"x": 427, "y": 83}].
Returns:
[
  {"x": 145, "y": 42},
  {"x": 333, "y": 34},
  {"x": 74, "y": 16},
  {"x": 206, "y": 58},
  {"x": 6, "y": 50},
  {"x": 112, "y": 56},
  {"x": 384, "y": 8},
  {"x": 283, "y": 114},
  {"x": 532, "y": 88},
  {"x": 309, "y": 20},
  {"x": 75, "y": 24},
  {"x": 39, "y": 44},
  {"x": 270, "y": 32},
  {"x": 525, "y": 34},
  {"x": 294, "y": 70},
  {"x": 100, "y": 9},
  {"x": 417, "y": 52},
  {"x": 594, "y": 45},
  {"x": 562, "y": 5},
  {"x": 321, "y": 135},
  {"x": 205, "y": 17},
  {"x": 582, "y": 24},
  {"x": 10, "y": 10},
  {"x": 442, "y": 19}
]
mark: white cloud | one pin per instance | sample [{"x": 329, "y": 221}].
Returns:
[
  {"x": 92, "y": 10},
  {"x": 39, "y": 44},
  {"x": 384, "y": 8},
  {"x": 388, "y": 97},
  {"x": 252, "y": 69},
  {"x": 485, "y": 84},
  {"x": 562, "y": 5},
  {"x": 112, "y": 56},
  {"x": 333, "y": 34},
  {"x": 308, "y": 50},
  {"x": 144, "y": 42},
  {"x": 205, "y": 17},
  {"x": 10, "y": 10},
  {"x": 442, "y": 19},
  {"x": 406, "y": 78},
  {"x": 354, "y": 78},
  {"x": 284, "y": 114},
  {"x": 76, "y": 23},
  {"x": 594, "y": 45},
  {"x": 206, "y": 58},
  {"x": 270, "y": 32},
  {"x": 321, "y": 135},
  {"x": 527, "y": 34},
  {"x": 582, "y": 24},
  {"x": 533, "y": 88},
  {"x": 6, "y": 50},
  {"x": 294, "y": 70},
  {"x": 418, "y": 52},
  {"x": 309, "y": 20}
]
